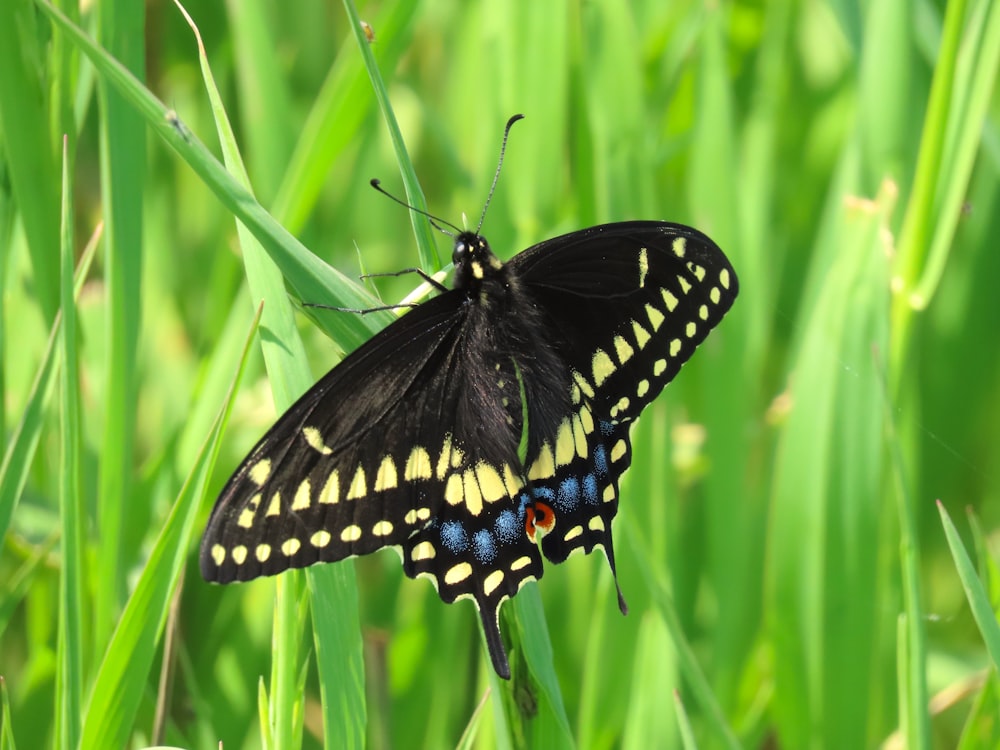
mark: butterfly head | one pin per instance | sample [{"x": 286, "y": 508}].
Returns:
[{"x": 473, "y": 259}]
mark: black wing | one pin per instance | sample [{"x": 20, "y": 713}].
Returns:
[
  {"x": 412, "y": 441},
  {"x": 627, "y": 305}
]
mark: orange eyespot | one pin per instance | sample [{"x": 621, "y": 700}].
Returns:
[{"x": 538, "y": 519}]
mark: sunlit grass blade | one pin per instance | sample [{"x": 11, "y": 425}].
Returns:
[
  {"x": 414, "y": 194},
  {"x": 23, "y": 441},
  {"x": 684, "y": 724},
  {"x": 960, "y": 94},
  {"x": 309, "y": 277},
  {"x": 976, "y": 595},
  {"x": 6, "y": 722},
  {"x": 468, "y": 739},
  {"x": 825, "y": 514},
  {"x": 340, "y": 639},
  {"x": 123, "y": 181},
  {"x": 30, "y": 156},
  {"x": 337, "y": 117},
  {"x": 124, "y": 669},
  {"x": 19, "y": 584},
  {"x": 911, "y": 641},
  {"x": 687, "y": 662},
  {"x": 70, "y": 677}
]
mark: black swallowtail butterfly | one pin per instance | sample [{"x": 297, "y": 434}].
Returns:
[{"x": 488, "y": 418}]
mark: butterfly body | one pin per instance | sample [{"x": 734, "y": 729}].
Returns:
[{"x": 488, "y": 419}]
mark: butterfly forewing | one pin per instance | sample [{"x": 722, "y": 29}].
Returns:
[
  {"x": 350, "y": 467},
  {"x": 627, "y": 304}
]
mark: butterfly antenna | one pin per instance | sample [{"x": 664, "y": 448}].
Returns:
[
  {"x": 436, "y": 221},
  {"x": 496, "y": 175}
]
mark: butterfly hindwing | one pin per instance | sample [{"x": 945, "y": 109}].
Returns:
[{"x": 486, "y": 557}]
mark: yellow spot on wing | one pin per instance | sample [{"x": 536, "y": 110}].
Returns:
[
  {"x": 246, "y": 518},
  {"x": 314, "y": 439},
  {"x": 643, "y": 388},
  {"x": 382, "y": 528},
  {"x": 659, "y": 366},
  {"x": 303, "y": 498},
  {"x": 584, "y": 384},
  {"x": 618, "y": 451},
  {"x": 263, "y": 552},
  {"x": 320, "y": 539},
  {"x": 274, "y": 507},
  {"x": 417, "y": 514},
  {"x": 239, "y": 554},
  {"x": 511, "y": 482},
  {"x": 423, "y": 551},
  {"x": 359, "y": 487},
  {"x": 685, "y": 284},
  {"x": 473, "y": 495},
  {"x": 418, "y": 465},
  {"x": 602, "y": 366},
  {"x": 565, "y": 448},
  {"x": 350, "y": 533},
  {"x": 691, "y": 329},
  {"x": 218, "y": 554},
  {"x": 491, "y": 582},
  {"x": 643, "y": 267},
  {"x": 458, "y": 573},
  {"x": 655, "y": 317},
  {"x": 385, "y": 479},
  {"x": 715, "y": 295},
  {"x": 453, "y": 491},
  {"x": 642, "y": 336},
  {"x": 679, "y": 247},
  {"x": 669, "y": 299},
  {"x": 290, "y": 546},
  {"x": 724, "y": 278},
  {"x": 596, "y": 524},
  {"x": 442, "y": 465},
  {"x": 260, "y": 471},
  {"x": 490, "y": 483},
  {"x": 520, "y": 562},
  {"x": 544, "y": 466},
  {"x": 623, "y": 349},
  {"x": 331, "y": 490},
  {"x": 573, "y": 533}
]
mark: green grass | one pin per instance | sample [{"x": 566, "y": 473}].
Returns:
[{"x": 807, "y": 537}]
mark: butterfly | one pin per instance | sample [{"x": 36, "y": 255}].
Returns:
[{"x": 486, "y": 427}]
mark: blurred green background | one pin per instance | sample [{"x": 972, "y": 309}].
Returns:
[{"x": 786, "y": 567}]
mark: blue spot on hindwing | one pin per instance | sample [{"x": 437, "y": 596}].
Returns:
[
  {"x": 484, "y": 547},
  {"x": 590, "y": 489},
  {"x": 601, "y": 461},
  {"x": 454, "y": 536},
  {"x": 506, "y": 527},
  {"x": 544, "y": 493},
  {"x": 568, "y": 496},
  {"x": 607, "y": 428}
]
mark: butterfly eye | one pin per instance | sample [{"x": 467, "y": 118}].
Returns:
[{"x": 462, "y": 252}]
